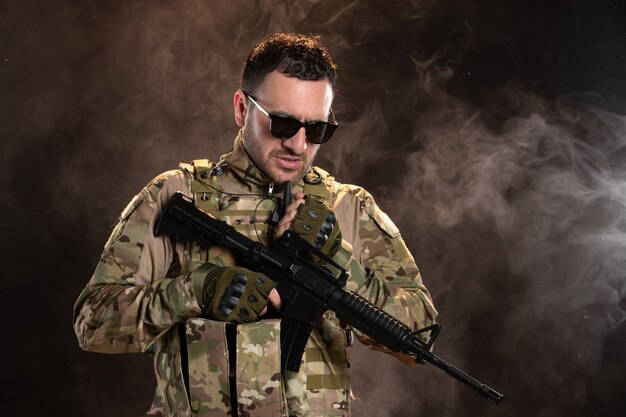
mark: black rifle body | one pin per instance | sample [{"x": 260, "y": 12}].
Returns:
[{"x": 307, "y": 291}]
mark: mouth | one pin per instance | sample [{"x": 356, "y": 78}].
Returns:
[{"x": 289, "y": 162}]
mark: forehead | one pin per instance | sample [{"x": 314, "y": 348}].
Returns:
[{"x": 310, "y": 100}]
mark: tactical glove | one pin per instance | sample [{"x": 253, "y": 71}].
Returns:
[
  {"x": 232, "y": 294},
  {"x": 316, "y": 223}
]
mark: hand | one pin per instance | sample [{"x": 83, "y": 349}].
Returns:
[
  {"x": 292, "y": 209},
  {"x": 314, "y": 221},
  {"x": 236, "y": 294}
]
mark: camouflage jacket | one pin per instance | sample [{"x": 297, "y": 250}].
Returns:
[{"x": 144, "y": 289}]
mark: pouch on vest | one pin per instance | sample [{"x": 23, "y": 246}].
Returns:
[{"x": 252, "y": 357}]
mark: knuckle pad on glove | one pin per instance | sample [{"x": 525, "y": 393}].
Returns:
[
  {"x": 316, "y": 223},
  {"x": 240, "y": 295}
]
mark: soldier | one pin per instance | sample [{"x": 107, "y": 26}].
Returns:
[{"x": 174, "y": 299}]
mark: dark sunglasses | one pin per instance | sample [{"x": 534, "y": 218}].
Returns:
[{"x": 283, "y": 127}]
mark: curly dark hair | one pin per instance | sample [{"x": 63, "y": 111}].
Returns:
[{"x": 296, "y": 55}]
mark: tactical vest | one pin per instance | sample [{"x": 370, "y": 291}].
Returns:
[{"x": 226, "y": 361}]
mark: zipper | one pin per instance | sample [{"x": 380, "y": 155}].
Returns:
[{"x": 270, "y": 188}]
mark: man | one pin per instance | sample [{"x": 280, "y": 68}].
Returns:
[{"x": 174, "y": 298}]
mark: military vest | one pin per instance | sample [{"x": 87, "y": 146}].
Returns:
[{"x": 226, "y": 362}]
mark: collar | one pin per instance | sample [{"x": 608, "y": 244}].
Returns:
[{"x": 240, "y": 170}]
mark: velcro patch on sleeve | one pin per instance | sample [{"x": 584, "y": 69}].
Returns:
[{"x": 382, "y": 220}]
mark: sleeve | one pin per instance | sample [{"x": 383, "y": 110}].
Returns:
[
  {"x": 383, "y": 270},
  {"x": 136, "y": 293}
]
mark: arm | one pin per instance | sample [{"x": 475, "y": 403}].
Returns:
[
  {"x": 137, "y": 291},
  {"x": 382, "y": 269}
]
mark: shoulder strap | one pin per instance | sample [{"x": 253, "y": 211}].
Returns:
[
  {"x": 318, "y": 183},
  {"x": 204, "y": 183}
]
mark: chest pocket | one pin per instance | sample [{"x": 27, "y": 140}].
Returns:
[{"x": 248, "y": 215}]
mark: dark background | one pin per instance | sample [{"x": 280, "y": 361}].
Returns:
[{"x": 492, "y": 132}]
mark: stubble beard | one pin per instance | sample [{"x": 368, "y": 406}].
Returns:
[{"x": 264, "y": 163}]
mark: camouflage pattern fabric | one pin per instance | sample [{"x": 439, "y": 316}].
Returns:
[
  {"x": 143, "y": 289},
  {"x": 257, "y": 370},
  {"x": 208, "y": 358}
]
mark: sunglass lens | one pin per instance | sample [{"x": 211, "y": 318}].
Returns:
[
  {"x": 323, "y": 134},
  {"x": 315, "y": 132},
  {"x": 284, "y": 127}
]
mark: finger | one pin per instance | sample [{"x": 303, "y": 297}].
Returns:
[
  {"x": 297, "y": 202},
  {"x": 291, "y": 212},
  {"x": 285, "y": 222},
  {"x": 288, "y": 217},
  {"x": 278, "y": 231},
  {"x": 275, "y": 300}
]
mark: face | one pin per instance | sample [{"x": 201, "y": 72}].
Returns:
[{"x": 289, "y": 159}]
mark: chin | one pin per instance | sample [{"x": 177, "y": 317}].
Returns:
[{"x": 282, "y": 177}]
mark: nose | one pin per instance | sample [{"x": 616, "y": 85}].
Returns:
[{"x": 297, "y": 143}]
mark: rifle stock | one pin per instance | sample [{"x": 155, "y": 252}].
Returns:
[{"x": 307, "y": 291}]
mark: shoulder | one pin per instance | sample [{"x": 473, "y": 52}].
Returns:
[
  {"x": 341, "y": 194},
  {"x": 181, "y": 179},
  {"x": 169, "y": 182},
  {"x": 159, "y": 189},
  {"x": 338, "y": 190},
  {"x": 354, "y": 200}
]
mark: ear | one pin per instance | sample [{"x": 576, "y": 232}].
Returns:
[{"x": 240, "y": 104}]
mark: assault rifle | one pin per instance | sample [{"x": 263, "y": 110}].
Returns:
[{"x": 307, "y": 290}]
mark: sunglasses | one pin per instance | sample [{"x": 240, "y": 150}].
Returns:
[{"x": 284, "y": 127}]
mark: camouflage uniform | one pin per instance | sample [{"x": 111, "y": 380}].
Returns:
[{"x": 144, "y": 288}]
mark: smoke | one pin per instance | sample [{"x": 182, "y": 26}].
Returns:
[
  {"x": 493, "y": 134},
  {"x": 547, "y": 197},
  {"x": 519, "y": 221}
]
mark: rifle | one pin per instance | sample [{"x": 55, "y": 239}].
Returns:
[{"x": 307, "y": 290}]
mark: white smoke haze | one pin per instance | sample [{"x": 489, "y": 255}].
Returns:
[{"x": 556, "y": 202}]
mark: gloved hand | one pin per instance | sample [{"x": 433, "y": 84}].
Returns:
[
  {"x": 316, "y": 223},
  {"x": 232, "y": 294}
]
